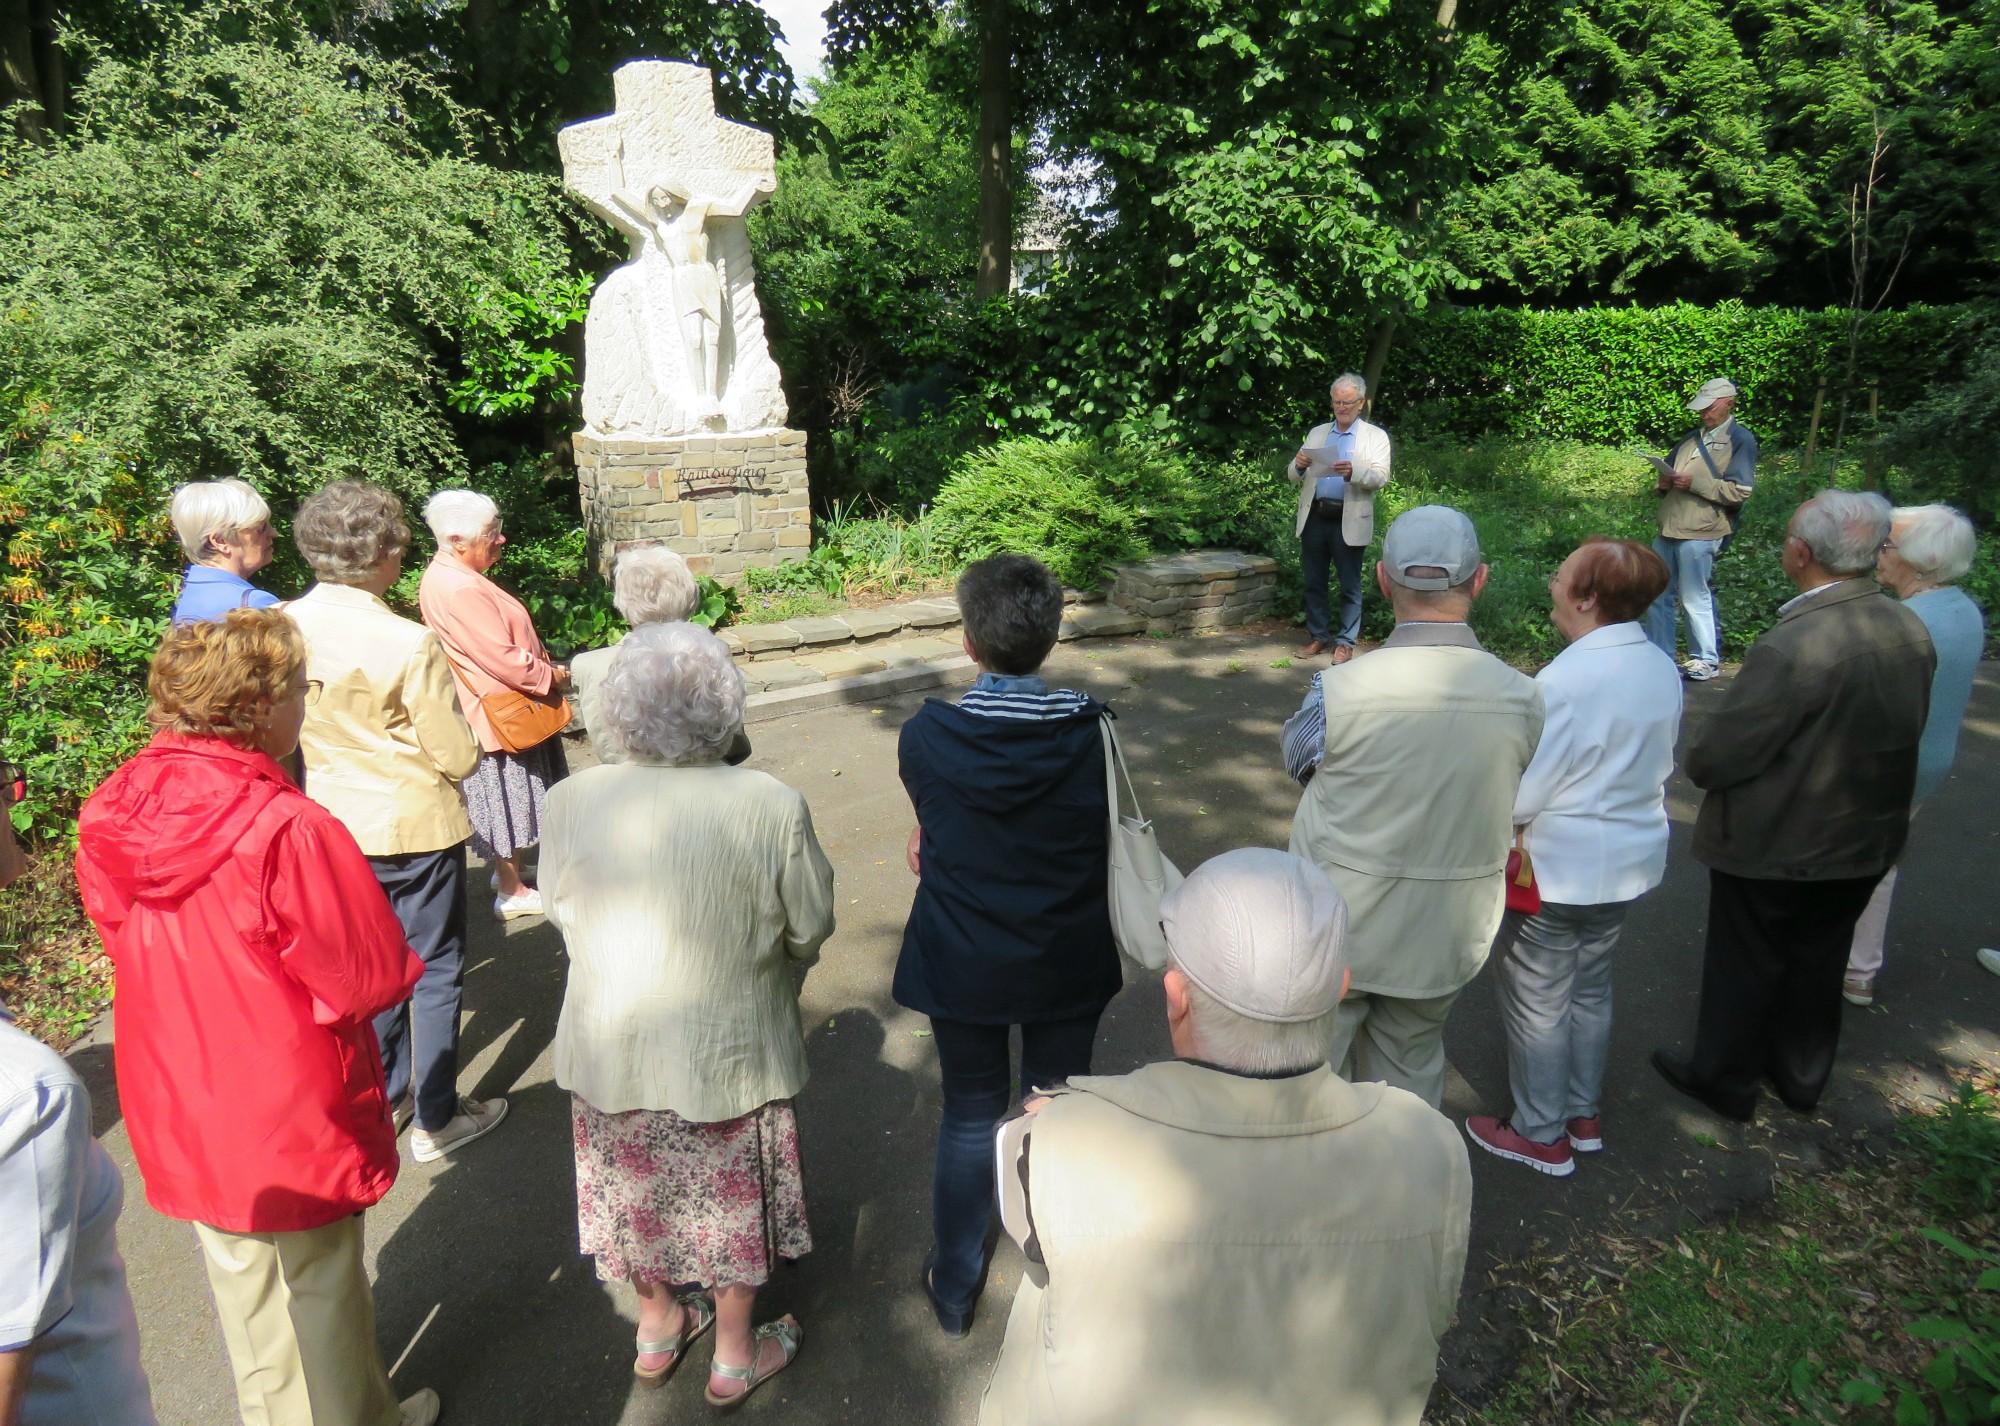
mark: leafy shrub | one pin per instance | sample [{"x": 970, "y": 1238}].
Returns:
[
  {"x": 852, "y": 555},
  {"x": 1079, "y": 506}
]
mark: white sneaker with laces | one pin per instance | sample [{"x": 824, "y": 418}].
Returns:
[
  {"x": 528, "y": 902},
  {"x": 1697, "y": 672},
  {"x": 422, "y": 1409},
  {"x": 475, "y": 1117}
]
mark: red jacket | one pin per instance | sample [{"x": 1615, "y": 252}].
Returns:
[{"x": 253, "y": 949}]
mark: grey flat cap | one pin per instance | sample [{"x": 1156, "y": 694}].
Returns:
[{"x": 1434, "y": 537}]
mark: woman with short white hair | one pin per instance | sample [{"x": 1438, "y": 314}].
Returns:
[
  {"x": 494, "y": 651},
  {"x": 225, "y": 528},
  {"x": 649, "y": 585},
  {"x": 1930, "y": 548},
  {"x": 692, "y": 896}
]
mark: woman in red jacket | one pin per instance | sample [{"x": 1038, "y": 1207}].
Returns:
[{"x": 253, "y": 949}]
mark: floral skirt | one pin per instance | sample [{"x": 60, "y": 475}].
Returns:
[
  {"x": 667, "y": 1200},
  {"x": 503, "y": 797}
]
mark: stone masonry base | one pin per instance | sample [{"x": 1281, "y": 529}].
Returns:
[{"x": 727, "y": 502}]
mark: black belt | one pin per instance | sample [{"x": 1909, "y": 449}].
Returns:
[{"x": 1330, "y": 508}]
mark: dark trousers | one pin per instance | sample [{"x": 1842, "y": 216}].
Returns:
[
  {"x": 973, "y": 1062},
  {"x": 1322, "y": 548},
  {"x": 420, "y": 1036},
  {"x": 1770, "y": 985}
]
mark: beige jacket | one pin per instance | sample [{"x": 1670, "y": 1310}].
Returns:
[
  {"x": 1412, "y": 809},
  {"x": 1371, "y": 473},
  {"x": 1701, "y": 512},
  {"x": 691, "y": 900},
  {"x": 1219, "y": 1249},
  {"x": 385, "y": 746}
]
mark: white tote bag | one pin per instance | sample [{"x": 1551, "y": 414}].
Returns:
[{"x": 1140, "y": 875}]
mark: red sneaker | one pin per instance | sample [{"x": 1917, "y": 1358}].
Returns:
[
  {"x": 1586, "y": 1136},
  {"x": 1497, "y": 1136}
]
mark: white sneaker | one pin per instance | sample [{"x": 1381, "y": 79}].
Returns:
[
  {"x": 474, "y": 1118},
  {"x": 1990, "y": 959},
  {"x": 402, "y": 1112},
  {"x": 527, "y": 903},
  {"x": 1697, "y": 672},
  {"x": 422, "y": 1409}
]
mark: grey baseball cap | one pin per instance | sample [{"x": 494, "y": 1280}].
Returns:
[
  {"x": 1711, "y": 392},
  {"x": 1431, "y": 536},
  {"x": 1263, "y": 932}
]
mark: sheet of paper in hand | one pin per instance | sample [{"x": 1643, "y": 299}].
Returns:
[
  {"x": 1320, "y": 459},
  {"x": 1660, "y": 466}
]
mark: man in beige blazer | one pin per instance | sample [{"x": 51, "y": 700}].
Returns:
[
  {"x": 1337, "y": 513},
  {"x": 1411, "y": 758}
]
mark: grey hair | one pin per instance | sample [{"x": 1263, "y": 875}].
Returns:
[
  {"x": 208, "y": 508},
  {"x": 673, "y": 695},
  {"x": 653, "y": 585},
  {"x": 1354, "y": 380},
  {"x": 460, "y": 514},
  {"x": 1235, "y": 1041},
  {"x": 1844, "y": 530},
  {"x": 347, "y": 529},
  {"x": 1935, "y": 541}
]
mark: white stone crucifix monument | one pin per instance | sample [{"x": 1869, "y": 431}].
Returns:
[{"x": 684, "y": 437}]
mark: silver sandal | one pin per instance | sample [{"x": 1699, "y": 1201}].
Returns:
[
  {"x": 786, "y": 1333},
  {"x": 700, "y": 1317}
]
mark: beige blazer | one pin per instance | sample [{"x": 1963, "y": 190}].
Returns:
[
  {"x": 1371, "y": 473},
  {"x": 385, "y": 746},
  {"x": 1411, "y": 812},
  {"x": 1222, "y": 1249},
  {"x": 691, "y": 899}
]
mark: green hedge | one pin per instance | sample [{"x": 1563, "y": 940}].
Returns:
[{"x": 1617, "y": 375}]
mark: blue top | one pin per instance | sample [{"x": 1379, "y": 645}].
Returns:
[
  {"x": 1334, "y": 487},
  {"x": 1958, "y": 633},
  {"x": 1011, "y": 924},
  {"x": 207, "y": 593}
]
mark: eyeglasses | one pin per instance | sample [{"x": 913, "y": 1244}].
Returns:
[{"x": 314, "y": 688}]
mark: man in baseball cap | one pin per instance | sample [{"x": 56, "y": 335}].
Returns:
[
  {"x": 1410, "y": 757},
  {"x": 1237, "y": 1233},
  {"x": 1701, "y": 504}
]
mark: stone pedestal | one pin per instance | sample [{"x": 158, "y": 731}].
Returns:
[
  {"x": 1203, "y": 589},
  {"x": 727, "y": 502}
]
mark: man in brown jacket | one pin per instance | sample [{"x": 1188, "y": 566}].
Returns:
[{"x": 1809, "y": 765}]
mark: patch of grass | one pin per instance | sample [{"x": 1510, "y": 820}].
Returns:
[
  {"x": 1234, "y": 666},
  {"x": 54, "y": 975},
  {"x": 1281, "y": 663}
]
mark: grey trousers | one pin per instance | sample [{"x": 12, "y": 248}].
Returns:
[
  {"x": 1394, "y": 1039},
  {"x": 1554, "y": 979}
]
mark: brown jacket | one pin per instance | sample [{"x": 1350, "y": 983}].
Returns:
[{"x": 1810, "y": 762}]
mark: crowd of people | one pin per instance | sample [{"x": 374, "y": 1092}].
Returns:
[{"x": 280, "y": 879}]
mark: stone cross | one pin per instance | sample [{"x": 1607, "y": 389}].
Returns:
[{"x": 674, "y": 343}]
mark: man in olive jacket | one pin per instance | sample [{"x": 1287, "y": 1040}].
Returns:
[{"x": 1809, "y": 765}]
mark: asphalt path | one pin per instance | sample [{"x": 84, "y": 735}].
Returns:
[{"x": 481, "y": 1292}]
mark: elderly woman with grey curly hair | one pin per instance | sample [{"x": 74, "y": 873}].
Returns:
[
  {"x": 1930, "y": 548},
  {"x": 386, "y": 748},
  {"x": 649, "y": 585},
  {"x": 691, "y": 896}
]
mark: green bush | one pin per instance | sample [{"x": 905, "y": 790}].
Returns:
[
  {"x": 1613, "y": 375},
  {"x": 1079, "y": 506}
]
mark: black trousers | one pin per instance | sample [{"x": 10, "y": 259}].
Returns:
[
  {"x": 1770, "y": 985},
  {"x": 420, "y": 1037}
]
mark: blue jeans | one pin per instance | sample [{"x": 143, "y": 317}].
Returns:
[
  {"x": 1322, "y": 548},
  {"x": 1689, "y": 564},
  {"x": 419, "y": 1038},
  {"x": 978, "y": 1087}
]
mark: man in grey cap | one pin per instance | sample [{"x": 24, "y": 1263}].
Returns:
[
  {"x": 1410, "y": 757},
  {"x": 1701, "y": 503},
  {"x": 1237, "y": 1234}
]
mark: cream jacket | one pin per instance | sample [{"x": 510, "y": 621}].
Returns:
[
  {"x": 385, "y": 746},
  {"x": 1701, "y": 512},
  {"x": 1249, "y": 1252},
  {"x": 1412, "y": 809},
  {"x": 1371, "y": 473},
  {"x": 691, "y": 900}
]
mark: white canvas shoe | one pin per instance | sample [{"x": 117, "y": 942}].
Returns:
[
  {"x": 475, "y": 1117},
  {"x": 527, "y": 903}
]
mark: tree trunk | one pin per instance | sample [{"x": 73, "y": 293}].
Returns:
[
  {"x": 20, "y": 78},
  {"x": 50, "y": 68},
  {"x": 996, "y": 152}
]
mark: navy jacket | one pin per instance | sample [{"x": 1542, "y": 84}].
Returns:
[{"x": 1010, "y": 924}]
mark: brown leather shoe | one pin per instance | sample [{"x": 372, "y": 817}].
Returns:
[
  {"x": 1313, "y": 650},
  {"x": 1342, "y": 653}
]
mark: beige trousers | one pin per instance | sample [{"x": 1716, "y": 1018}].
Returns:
[
  {"x": 1388, "y": 1037},
  {"x": 299, "y": 1320}
]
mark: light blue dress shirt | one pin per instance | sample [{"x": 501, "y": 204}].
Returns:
[{"x": 1334, "y": 487}]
